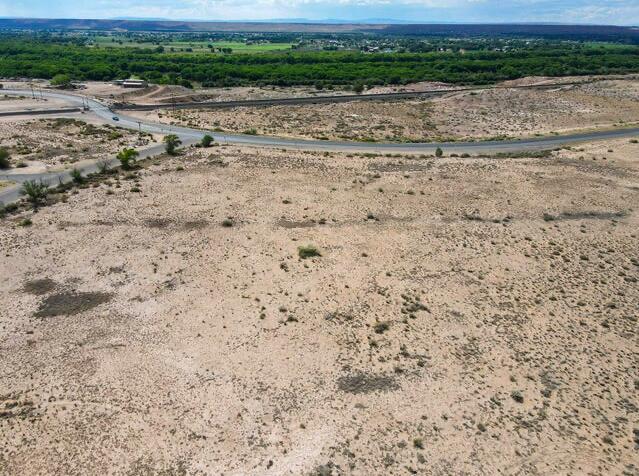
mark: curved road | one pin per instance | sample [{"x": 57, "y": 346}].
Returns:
[{"x": 190, "y": 136}]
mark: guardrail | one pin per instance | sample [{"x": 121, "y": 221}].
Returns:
[{"x": 37, "y": 112}]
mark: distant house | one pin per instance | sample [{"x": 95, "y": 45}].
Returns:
[{"x": 131, "y": 83}]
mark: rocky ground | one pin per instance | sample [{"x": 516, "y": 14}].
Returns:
[
  {"x": 476, "y": 115},
  {"x": 461, "y": 316}
]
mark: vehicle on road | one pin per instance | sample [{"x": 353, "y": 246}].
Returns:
[{"x": 115, "y": 118}]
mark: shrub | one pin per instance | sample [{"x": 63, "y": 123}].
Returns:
[
  {"x": 76, "y": 176},
  {"x": 250, "y": 132},
  {"x": 61, "y": 80},
  {"x": 4, "y": 158},
  {"x": 103, "y": 166},
  {"x": 171, "y": 143},
  {"x": 227, "y": 223},
  {"x": 308, "y": 252},
  {"x": 127, "y": 157},
  {"x": 207, "y": 140},
  {"x": 36, "y": 192},
  {"x": 439, "y": 152},
  {"x": 517, "y": 396}
]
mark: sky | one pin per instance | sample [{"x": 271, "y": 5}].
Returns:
[{"x": 614, "y": 12}]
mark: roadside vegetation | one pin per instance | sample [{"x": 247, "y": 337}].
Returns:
[
  {"x": 127, "y": 158},
  {"x": 36, "y": 192},
  {"x": 5, "y": 159},
  {"x": 172, "y": 142}
]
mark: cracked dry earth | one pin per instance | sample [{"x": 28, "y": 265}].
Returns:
[{"x": 465, "y": 316}]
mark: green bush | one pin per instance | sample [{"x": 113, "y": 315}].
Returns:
[
  {"x": 207, "y": 140},
  {"x": 171, "y": 143},
  {"x": 308, "y": 251},
  {"x": 61, "y": 80},
  {"x": 4, "y": 158},
  {"x": 77, "y": 177},
  {"x": 36, "y": 192},
  {"x": 127, "y": 157}
]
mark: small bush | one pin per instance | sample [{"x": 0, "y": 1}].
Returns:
[
  {"x": 103, "y": 166},
  {"x": 250, "y": 132},
  {"x": 36, "y": 192},
  {"x": 172, "y": 142},
  {"x": 4, "y": 158},
  {"x": 227, "y": 223},
  {"x": 127, "y": 157},
  {"x": 439, "y": 152},
  {"x": 308, "y": 252},
  {"x": 25, "y": 222},
  {"x": 517, "y": 396},
  {"x": 207, "y": 140},
  {"x": 381, "y": 327},
  {"x": 76, "y": 176}
]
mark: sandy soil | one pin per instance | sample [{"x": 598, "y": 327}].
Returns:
[
  {"x": 466, "y": 316},
  {"x": 38, "y": 144},
  {"x": 500, "y": 113},
  {"x": 157, "y": 94}
]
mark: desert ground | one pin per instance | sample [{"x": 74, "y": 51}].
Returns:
[
  {"x": 455, "y": 316},
  {"x": 469, "y": 115},
  {"x": 46, "y": 143}
]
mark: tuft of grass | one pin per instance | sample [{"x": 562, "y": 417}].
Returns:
[
  {"x": 308, "y": 251},
  {"x": 517, "y": 396}
]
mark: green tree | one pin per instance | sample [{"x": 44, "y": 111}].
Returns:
[
  {"x": 171, "y": 143},
  {"x": 127, "y": 157},
  {"x": 439, "y": 152},
  {"x": 36, "y": 192},
  {"x": 4, "y": 158}
]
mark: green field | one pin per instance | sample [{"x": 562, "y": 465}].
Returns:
[{"x": 190, "y": 46}]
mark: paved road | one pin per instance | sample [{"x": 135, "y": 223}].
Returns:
[{"x": 189, "y": 136}]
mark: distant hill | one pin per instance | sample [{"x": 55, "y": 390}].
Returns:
[{"x": 554, "y": 31}]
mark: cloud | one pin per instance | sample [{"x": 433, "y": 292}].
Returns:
[{"x": 573, "y": 11}]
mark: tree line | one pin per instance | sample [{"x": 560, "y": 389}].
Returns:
[{"x": 22, "y": 56}]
